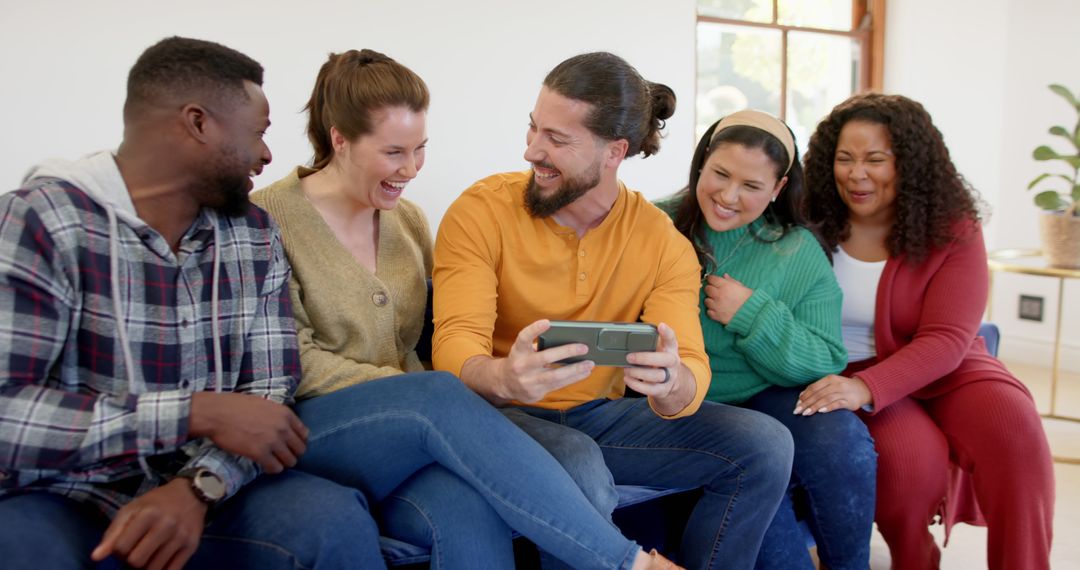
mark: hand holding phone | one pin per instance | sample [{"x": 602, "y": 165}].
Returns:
[
  {"x": 525, "y": 374},
  {"x": 662, "y": 376},
  {"x": 608, "y": 342}
]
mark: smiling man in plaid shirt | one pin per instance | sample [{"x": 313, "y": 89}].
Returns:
[{"x": 148, "y": 347}]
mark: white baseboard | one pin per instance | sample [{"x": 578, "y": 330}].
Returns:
[{"x": 1039, "y": 351}]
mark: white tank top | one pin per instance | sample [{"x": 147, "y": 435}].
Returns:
[{"x": 859, "y": 282}]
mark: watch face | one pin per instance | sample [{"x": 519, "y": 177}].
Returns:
[{"x": 212, "y": 487}]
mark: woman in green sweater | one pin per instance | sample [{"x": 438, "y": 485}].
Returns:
[
  {"x": 770, "y": 314},
  {"x": 444, "y": 468}
]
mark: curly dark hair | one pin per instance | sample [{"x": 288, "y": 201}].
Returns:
[{"x": 931, "y": 196}]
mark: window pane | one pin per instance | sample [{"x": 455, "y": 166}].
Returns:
[
  {"x": 752, "y": 10},
  {"x": 737, "y": 67},
  {"x": 828, "y": 14},
  {"x": 823, "y": 70}
]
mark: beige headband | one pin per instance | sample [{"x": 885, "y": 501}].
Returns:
[{"x": 763, "y": 121}]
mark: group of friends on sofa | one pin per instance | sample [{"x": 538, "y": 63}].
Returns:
[{"x": 190, "y": 380}]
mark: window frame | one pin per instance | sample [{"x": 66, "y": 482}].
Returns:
[{"x": 867, "y": 25}]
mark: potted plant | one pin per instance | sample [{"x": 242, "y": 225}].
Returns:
[{"x": 1060, "y": 221}]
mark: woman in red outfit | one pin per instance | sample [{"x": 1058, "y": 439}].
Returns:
[{"x": 957, "y": 434}]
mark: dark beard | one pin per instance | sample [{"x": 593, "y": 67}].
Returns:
[
  {"x": 225, "y": 188},
  {"x": 232, "y": 197},
  {"x": 571, "y": 189}
]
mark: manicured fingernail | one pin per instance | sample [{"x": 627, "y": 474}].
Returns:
[
  {"x": 798, "y": 409},
  {"x": 807, "y": 412},
  {"x": 823, "y": 410}
]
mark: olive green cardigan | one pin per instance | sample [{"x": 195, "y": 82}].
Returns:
[{"x": 352, "y": 325}]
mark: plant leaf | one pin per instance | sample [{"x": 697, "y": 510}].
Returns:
[
  {"x": 1076, "y": 193},
  {"x": 1046, "y": 175},
  {"x": 1045, "y": 153},
  {"x": 1061, "y": 132},
  {"x": 1066, "y": 94},
  {"x": 1050, "y": 200},
  {"x": 1037, "y": 180}
]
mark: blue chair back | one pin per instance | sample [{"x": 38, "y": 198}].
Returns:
[{"x": 990, "y": 333}]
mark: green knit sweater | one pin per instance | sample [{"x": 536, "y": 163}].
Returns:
[
  {"x": 788, "y": 332},
  {"x": 352, "y": 325}
]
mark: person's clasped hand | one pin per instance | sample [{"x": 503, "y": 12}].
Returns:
[{"x": 724, "y": 296}]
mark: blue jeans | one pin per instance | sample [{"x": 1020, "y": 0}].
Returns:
[
  {"x": 741, "y": 459},
  {"x": 287, "y": 521},
  {"x": 437, "y": 509},
  {"x": 378, "y": 435},
  {"x": 836, "y": 467}
]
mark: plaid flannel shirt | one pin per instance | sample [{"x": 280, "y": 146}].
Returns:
[{"x": 68, "y": 422}]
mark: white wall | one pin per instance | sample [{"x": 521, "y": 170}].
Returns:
[
  {"x": 981, "y": 68},
  {"x": 1043, "y": 50},
  {"x": 64, "y": 66}
]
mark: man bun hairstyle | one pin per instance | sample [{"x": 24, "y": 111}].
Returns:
[
  {"x": 624, "y": 105},
  {"x": 186, "y": 68},
  {"x": 350, "y": 87}
]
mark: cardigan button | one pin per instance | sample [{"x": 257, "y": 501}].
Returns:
[{"x": 380, "y": 299}]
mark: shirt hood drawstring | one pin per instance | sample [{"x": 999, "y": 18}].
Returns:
[{"x": 99, "y": 177}]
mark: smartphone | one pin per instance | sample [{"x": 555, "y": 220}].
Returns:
[{"x": 608, "y": 343}]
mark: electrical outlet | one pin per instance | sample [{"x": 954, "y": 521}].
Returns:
[{"x": 1031, "y": 308}]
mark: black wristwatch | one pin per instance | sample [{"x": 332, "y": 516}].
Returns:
[{"x": 207, "y": 485}]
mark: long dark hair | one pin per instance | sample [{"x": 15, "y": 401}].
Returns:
[
  {"x": 784, "y": 214},
  {"x": 931, "y": 196}
]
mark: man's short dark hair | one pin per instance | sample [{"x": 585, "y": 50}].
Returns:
[{"x": 187, "y": 68}]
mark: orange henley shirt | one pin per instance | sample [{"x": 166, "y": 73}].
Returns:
[{"x": 497, "y": 269}]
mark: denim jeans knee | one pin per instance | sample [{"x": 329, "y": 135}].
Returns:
[
  {"x": 437, "y": 509},
  {"x": 835, "y": 468},
  {"x": 288, "y": 521},
  {"x": 577, "y": 452}
]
